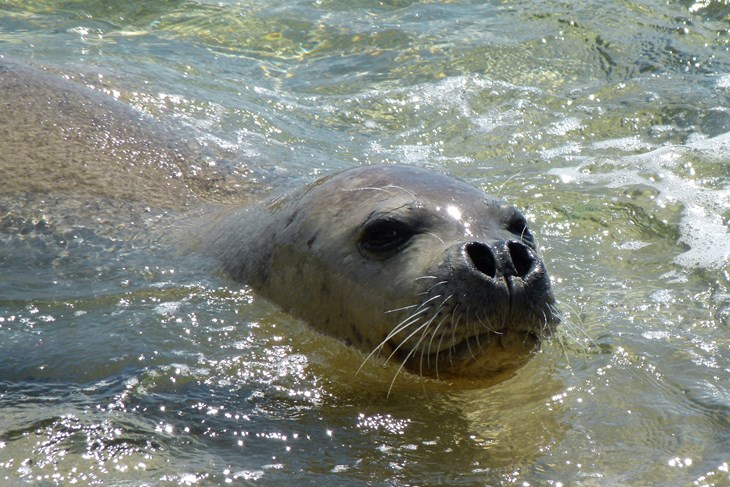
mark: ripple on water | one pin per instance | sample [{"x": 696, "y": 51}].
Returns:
[{"x": 591, "y": 116}]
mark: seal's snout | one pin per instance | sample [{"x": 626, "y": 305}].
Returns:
[{"x": 503, "y": 259}]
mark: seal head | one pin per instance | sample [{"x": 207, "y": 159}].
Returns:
[{"x": 403, "y": 262}]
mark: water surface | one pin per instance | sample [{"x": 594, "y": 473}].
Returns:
[{"x": 123, "y": 362}]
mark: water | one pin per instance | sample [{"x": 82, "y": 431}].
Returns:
[{"x": 122, "y": 362}]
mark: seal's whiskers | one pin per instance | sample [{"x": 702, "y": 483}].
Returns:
[
  {"x": 430, "y": 342},
  {"x": 453, "y": 323},
  {"x": 487, "y": 325},
  {"x": 428, "y": 291},
  {"x": 395, "y": 310},
  {"x": 454, "y": 326},
  {"x": 423, "y": 327},
  {"x": 412, "y": 350},
  {"x": 405, "y": 323}
]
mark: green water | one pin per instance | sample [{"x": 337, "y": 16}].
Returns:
[{"x": 122, "y": 363}]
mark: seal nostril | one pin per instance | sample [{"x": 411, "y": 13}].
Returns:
[
  {"x": 523, "y": 259},
  {"x": 482, "y": 258}
]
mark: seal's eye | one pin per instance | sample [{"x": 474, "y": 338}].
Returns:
[
  {"x": 384, "y": 237},
  {"x": 518, "y": 226}
]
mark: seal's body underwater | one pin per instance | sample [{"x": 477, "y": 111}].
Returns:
[{"x": 399, "y": 260}]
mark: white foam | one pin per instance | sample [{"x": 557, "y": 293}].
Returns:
[
  {"x": 632, "y": 245},
  {"x": 167, "y": 308},
  {"x": 723, "y": 82},
  {"x": 626, "y": 143},
  {"x": 565, "y": 126},
  {"x": 701, "y": 226}
]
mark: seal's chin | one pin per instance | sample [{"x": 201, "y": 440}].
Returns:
[
  {"x": 472, "y": 348},
  {"x": 480, "y": 355}
]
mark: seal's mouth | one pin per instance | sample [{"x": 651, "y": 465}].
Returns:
[
  {"x": 476, "y": 355},
  {"x": 471, "y": 347},
  {"x": 457, "y": 336}
]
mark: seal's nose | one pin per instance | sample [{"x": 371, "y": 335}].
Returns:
[
  {"x": 481, "y": 257},
  {"x": 503, "y": 258}
]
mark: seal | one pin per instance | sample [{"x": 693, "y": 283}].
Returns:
[
  {"x": 401, "y": 262},
  {"x": 398, "y": 261}
]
